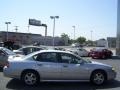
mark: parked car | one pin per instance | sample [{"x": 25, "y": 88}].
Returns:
[
  {"x": 77, "y": 45},
  {"x": 100, "y": 53},
  {"x": 54, "y": 48},
  {"x": 56, "y": 65},
  {"x": 78, "y": 51},
  {"x": 27, "y": 50},
  {"x": 4, "y": 55}
]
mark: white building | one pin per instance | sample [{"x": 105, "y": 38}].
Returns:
[{"x": 102, "y": 43}]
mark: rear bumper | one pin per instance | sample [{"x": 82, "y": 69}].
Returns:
[{"x": 9, "y": 73}]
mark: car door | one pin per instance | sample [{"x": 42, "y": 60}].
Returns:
[
  {"x": 47, "y": 65},
  {"x": 71, "y": 68}
]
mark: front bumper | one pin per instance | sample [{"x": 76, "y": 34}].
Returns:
[{"x": 112, "y": 75}]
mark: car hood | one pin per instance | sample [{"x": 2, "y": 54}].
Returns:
[{"x": 98, "y": 63}]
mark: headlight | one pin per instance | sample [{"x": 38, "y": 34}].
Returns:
[{"x": 113, "y": 69}]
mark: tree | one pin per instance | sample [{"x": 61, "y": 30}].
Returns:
[
  {"x": 81, "y": 40},
  {"x": 66, "y": 38},
  {"x": 89, "y": 42},
  {"x": 63, "y": 35}
]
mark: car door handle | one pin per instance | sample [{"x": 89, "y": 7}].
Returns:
[
  {"x": 40, "y": 64},
  {"x": 65, "y": 66}
]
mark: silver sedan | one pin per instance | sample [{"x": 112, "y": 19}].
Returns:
[{"x": 55, "y": 65}]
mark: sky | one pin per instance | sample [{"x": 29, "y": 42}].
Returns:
[{"x": 98, "y": 16}]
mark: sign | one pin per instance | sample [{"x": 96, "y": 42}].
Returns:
[{"x": 34, "y": 22}]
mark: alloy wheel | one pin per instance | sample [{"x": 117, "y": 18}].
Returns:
[
  {"x": 98, "y": 78},
  {"x": 30, "y": 78}
]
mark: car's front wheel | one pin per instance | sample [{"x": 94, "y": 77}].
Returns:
[
  {"x": 103, "y": 56},
  {"x": 30, "y": 78},
  {"x": 98, "y": 77}
]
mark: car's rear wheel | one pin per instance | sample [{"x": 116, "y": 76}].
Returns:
[
  {"x": 98, "y": 77},
  {"x": 30, "y": 78}
]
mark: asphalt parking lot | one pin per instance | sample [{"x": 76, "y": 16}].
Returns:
[{"x": 13, "y": 84}]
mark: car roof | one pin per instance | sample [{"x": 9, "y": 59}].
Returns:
[
  {"x": 8, "y": 51},
  {"x": 42, "y": 51},
  {"x": 50, "y": 50},
  {"x": 31, "y": 46}
]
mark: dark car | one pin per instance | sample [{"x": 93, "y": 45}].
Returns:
[
  {"x": 4, "y": 55},
  {"x": 100, "y": 53}
]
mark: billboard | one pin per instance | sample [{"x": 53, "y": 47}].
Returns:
[{"x": 34, "y": 22}]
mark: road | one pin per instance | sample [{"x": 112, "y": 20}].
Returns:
[{"x": 13, "y": 84}]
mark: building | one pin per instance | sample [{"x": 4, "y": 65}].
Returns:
[
  {"x": 102, "y": 43},
  {"x": 30, "y": 39},
  {"x": 111, "y": 42}
]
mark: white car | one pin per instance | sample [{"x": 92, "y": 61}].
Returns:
[
  {"x": 27, "y": 50},
  {"x": 79, "y": 51}
]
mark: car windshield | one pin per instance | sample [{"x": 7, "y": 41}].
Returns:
[
  {"x": 86, "y": 60},
  {"x": 29, "y": 55},
  {"x": 9, "y": 52}
]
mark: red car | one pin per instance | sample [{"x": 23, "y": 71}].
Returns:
[{"x": 100, "y": 53}]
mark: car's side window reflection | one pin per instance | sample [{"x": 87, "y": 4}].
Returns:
[
  {"x": 46, "y": 57},
  {"x": 68, "y": 58}
]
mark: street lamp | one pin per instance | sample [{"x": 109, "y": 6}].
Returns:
[
  {"x": 54, "y": 17},
  {"x": 91, "y": 34},
  {"x": 74, "y": 31},
  {"x": 7, "y": 28}
]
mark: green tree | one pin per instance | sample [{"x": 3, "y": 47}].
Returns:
[
  {"x": 63, "y": 35},
  {"x": 66, "y": 38},
  {"x": 89, "y": 42},
  {"x": 81, "y": 40}
]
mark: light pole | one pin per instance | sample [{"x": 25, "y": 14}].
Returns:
[
  {"x": 28, "y": 28},
  {"x": 54, "y": 17},
  {"x": 7, "y": 28},
  {"x": 74, "y": 31},
  {"x": 91, "y": 34},
  {"x": 16, "y": 28},
  {"x": 91, "y": 37}
]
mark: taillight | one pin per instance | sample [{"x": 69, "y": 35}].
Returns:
[{"x": 7, "y": 64}]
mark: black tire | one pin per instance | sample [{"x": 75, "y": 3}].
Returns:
[
  {"x": 93, "y": 57},
  {"x": 103, "y": 57},
  {"x": 98, "y": 77},
  {"x": 30, "y": 78}
]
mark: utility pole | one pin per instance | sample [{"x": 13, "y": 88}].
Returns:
[
  {"x": 7, "y": 23},
  {"x": 74, "y": 32},
  {"x": 28, "y": 28},
  {"x": 16, "y": 28}
]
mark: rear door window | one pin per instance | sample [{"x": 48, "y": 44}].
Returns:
[{"x": 46, "y": 57}]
